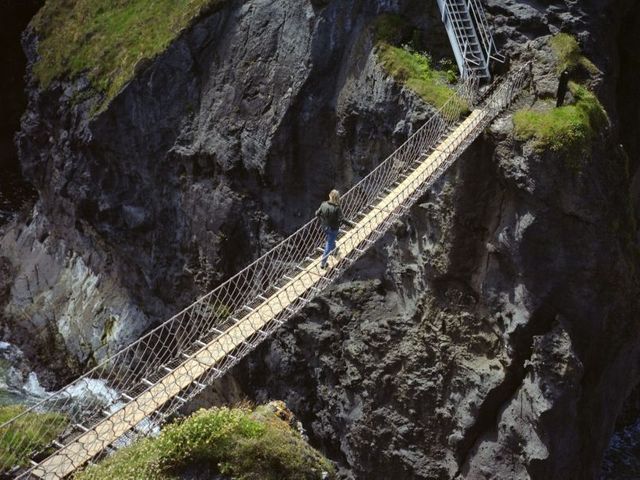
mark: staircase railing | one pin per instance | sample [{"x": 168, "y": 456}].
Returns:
[
  {"x": 484, "y": 31},
  {"x": 454, "y": 19}
]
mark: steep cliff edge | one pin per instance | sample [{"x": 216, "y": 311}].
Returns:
[
  {"x": 492, "y": 334},
  {"x": 216, "y": 146}
]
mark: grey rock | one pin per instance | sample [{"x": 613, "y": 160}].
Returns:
[
  {"x": 217, "y": 148},
  {"x": 490, "y": 334},
  {"x": 495, "y": 363}
]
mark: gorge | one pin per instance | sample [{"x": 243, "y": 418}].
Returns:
[{"x": 492, "y": 333}]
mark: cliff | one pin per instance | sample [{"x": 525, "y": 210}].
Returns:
[
  {"x": 492, "y": 334},
  {"x": 211, "y": 152}
]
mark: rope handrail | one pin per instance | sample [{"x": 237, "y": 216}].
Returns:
[{"x": 138, "y": 368}]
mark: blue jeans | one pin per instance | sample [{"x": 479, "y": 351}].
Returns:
[{"x": 331, "y": 243}]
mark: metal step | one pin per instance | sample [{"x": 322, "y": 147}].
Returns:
[{"x": 466, "y": 25}]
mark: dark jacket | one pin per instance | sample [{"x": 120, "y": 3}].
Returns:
[{"x": 330, "y": 215}]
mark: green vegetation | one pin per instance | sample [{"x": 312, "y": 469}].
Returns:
[
  {"x": 33, "y": 432},
  {"x": 415, "y": 69},
  {"x": 107, "y": 39},
  {"x": 570, "y": 128},
  {"x": 569, "y": 55},
  {"x": 238, "y": 442},
  {"x": 416, "y": 72}
]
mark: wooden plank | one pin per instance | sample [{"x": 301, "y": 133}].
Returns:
[{"x": 98, "y": 438}]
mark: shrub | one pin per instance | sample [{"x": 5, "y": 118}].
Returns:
[
  {"x": 31, "y": 433},
  {"x": 416, "y": 71},
  {"x": 275, "y": 454},
  {"x": 413, "y": 69},
  {"x": 245, "y": 444}
]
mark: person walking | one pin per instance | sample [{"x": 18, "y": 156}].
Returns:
[{"x": 330, "y": 214}]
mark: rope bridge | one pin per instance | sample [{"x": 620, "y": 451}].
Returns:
[{"x": 151, "y": 378}]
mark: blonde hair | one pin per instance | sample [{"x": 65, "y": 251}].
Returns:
[{"x": 334, "y": 196}]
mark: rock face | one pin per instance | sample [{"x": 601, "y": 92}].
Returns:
[
  {"x": 222, "y": 143},
  {"x": 484, "y": 351},
  {"x": 495, "y": 333},
  {"x": 492, "y": 334}
]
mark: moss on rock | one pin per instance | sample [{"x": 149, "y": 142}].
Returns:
[
  {"x": 415, "y": 69},
  {"x": 569, "y": 129},
  {"x": 569, "y": 54},
  {"x": 243, "y": 443},
  {"x": 107, "y": 39}
]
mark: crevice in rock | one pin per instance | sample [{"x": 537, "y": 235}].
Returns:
[
  {"x": 15, "y": 192},
  {"x": 628, "y": 88},
  {"x": 541, "y": 322},
  {"x": 628, "y": 97}
]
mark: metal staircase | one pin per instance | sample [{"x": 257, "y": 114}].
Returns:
[{"x": 470, "y": 37}]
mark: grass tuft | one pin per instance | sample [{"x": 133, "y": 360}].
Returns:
[
  {"x": 569, "y": 54},
  {"x": 107, "y": 39},
  {"x": 33, "y": 432},
  {"x": 237, "y": 442},
  {"x": 415, "y": 70},
  {"x": 569, "y": 129},
  {"x": 393, "y": 34}
]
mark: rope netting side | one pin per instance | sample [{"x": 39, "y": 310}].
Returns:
[{"x": 153, "y": 360}]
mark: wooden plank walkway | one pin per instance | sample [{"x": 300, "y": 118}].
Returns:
[{"x": 87, "y": 445}]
